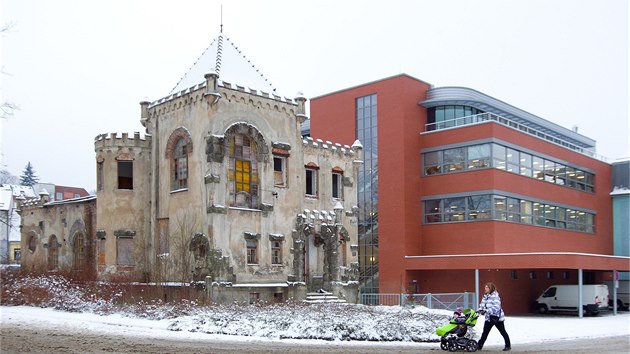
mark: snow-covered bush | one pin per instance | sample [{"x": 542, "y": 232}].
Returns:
[{"x": 296, "y": 320}]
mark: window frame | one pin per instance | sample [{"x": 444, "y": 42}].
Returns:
[
  {"x": 337, "y": 184},
  {"x": 280, "y": 175},
  {"x": 125, "y": 174},
  {"x": 251, "y": 246},
  {"x": 125, "y": 258},
  {"x": 276, "y": 252},
  {"x": 311, "y": 181},
  {"x": 179, "y": 164},
  {"x": 243, "y": 174}
]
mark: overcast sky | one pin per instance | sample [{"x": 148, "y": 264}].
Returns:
[{"x": 78, "y": 68}]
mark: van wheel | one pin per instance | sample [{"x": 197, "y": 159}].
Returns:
[{"x": 542, "y": 309}]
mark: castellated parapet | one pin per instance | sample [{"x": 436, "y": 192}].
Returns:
[
  {"x": 227, "y": 91},
  {"x": 328, "y": 148},
  {"x": 115, "y": 141}
]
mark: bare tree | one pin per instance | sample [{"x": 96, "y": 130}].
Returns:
[
  {"x": 186, "y": 225},
  {"x": 7, "y": 108},
  {"x": 7, "y": 178}
]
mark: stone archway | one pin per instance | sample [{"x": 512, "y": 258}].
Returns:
[
  {"x": 200, "y": 247},
  {"x": 53, "y": 253},
  {"x": 79, "y": 252}
]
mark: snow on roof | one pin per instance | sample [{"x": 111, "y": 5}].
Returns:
[
  {"x": 225, "y": 59},
  {"x": 5, "y": 198},
  {"x": 620, "y": 191},
  {"x": 26, "y": 191}
]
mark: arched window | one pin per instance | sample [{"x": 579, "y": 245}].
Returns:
[
  {"x": 79, "y": 252},
  {"x": 178, "y": 147},
  {"x": 243, "y": 173},
  {"x": 180, "y": 164},
  {"x": 53, "y": 253},
  {"x": 32, "y": 243},
  {"x": 199, "y": 246}
]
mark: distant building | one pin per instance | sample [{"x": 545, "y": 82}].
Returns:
[
  {"x": 58, "y": 193},
  {"x": 459, "y": 188},
  {"x": 620, "y": 195},
  {"x": 221, "y": 188},
  {"x": 10, "y": 251}
]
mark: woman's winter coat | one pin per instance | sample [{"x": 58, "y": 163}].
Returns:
[{"x": 491, "y": 306}]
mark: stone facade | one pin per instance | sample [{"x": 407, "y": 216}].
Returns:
[
  {"x": 223, "y": 189},
  {"x": 59, "y": 236}
]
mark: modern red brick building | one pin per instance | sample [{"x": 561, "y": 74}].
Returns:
[{"x": 459, "y": 188}]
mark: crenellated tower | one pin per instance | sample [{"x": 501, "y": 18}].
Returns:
[{"x": 123, "y": 165}]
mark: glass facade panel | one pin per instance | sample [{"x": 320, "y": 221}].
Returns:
[
  {"x": 538, "y": 166},
  {"x": 442, "y": 117},
  {"x": 550, "y": 171},
  {"x": 433, "y": 163},
  {"x": 479, "y": 156},
  {"x": 367, "y": 133},
  {"x": 454, "y": 209},
  {"x": 508, "y": 159},
  {"x": 526, "y": 212},
  {"x": 498, "y": 156},
  {"x": 479, "y": 207},
  {"x": 498, "y": 207},
  {"x": 525, "y": 161},
  {"x": 433, "y": 211},
  {"x": 453, "y": 160},
  {"x": 513, "y": 164}
]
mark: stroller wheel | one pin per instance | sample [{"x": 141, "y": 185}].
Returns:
[
  {"x": 452, "y": 345},
  {"x": 443, "y": 344},
  {"x": 471, "y": 345}
]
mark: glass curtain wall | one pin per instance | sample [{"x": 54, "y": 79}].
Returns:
[{"x": 366, "y": 123}]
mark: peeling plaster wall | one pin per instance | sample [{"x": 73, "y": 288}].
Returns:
[
  {"x": 124, "y": 212},
  {"x": 64, "y": 220}
]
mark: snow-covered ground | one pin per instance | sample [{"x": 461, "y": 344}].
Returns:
[
  {"x": 105, "y": 308},
  {"x": 522, "y": 329}
]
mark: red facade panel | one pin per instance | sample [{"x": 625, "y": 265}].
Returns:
[{"x": 402, "y": 187}]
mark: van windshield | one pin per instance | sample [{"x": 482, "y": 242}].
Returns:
[{"x": 550, "y": 292}]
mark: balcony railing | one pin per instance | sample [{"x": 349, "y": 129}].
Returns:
[{"x": 486, "y": 117}]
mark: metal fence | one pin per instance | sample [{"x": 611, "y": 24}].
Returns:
[{"x": 446, "y": 301}]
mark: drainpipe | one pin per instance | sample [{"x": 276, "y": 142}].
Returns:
[
  {"x": 476, "y": 290},
  {"x": 580, "y": 304}
]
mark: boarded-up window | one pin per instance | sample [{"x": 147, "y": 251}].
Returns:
[
  {"x": 101, "y": 252},
  {"x": 164, "y": 239},
  {"x": 53, "y": 253},
  {"x": 79, "y": 252},
  {"x": 279, "y": 171},
  {"x": 124, "y": 251}
]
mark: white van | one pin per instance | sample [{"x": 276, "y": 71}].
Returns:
[{"x": 565, "y": 298}]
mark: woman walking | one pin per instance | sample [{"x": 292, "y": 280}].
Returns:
[{"x": 491, "y": 307}]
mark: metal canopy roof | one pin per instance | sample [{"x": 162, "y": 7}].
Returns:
[{"x": 465, "y": 96}]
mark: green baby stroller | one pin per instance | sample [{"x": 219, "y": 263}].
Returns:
[{"x": 453, "y": 334}]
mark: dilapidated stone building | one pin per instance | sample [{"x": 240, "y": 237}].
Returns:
[{"x": 222, "y": 188}]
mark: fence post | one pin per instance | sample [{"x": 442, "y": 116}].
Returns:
[
  {"x": 465, "y": 299},
  {"x": 429, "y": 301}
]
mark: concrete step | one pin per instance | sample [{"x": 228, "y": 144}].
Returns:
[{"x": 321, "y": 297}]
